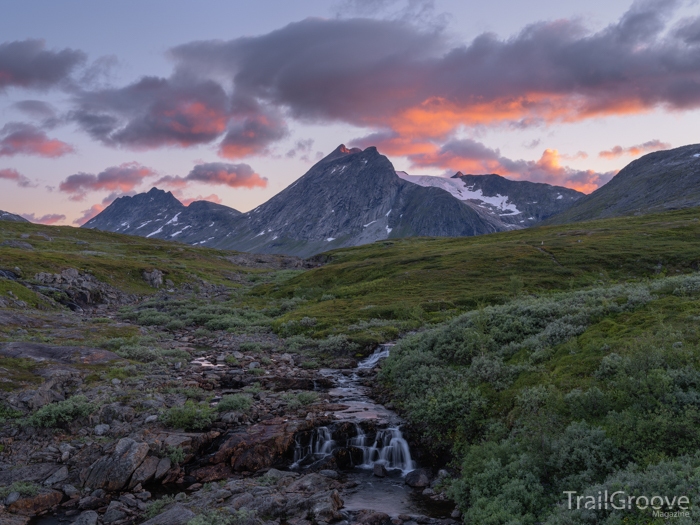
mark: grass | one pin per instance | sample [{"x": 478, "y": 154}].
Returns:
[
  {"x": 115, "y": 259},
  {"x": 410, "y": 282}
]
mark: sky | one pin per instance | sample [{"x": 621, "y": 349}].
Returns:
[{"x": 232, "y": 101}]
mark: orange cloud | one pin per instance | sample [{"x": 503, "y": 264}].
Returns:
[
  {"x": 17, "y": 138},
  {"x": 634, "y": 151}
]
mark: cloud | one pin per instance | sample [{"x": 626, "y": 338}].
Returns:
[
  {"x": 29, "y": 64},
  {"x": 301, "y": 148},
  {"x": 51, "y": 218},
  {"x": 251, "y": 130},
  {"x": 619, "y": 151},
  {"x": 36, "y": 109},
  {"x": 403, "y": 78},
  {"x": 15, "y": 176},
  {"x": 122, "y": 179},
  {"x": 189, "y": 200},
  {"x": 469, "y": 156},
  {"x": 154, "y": 112},
  {"x": 17, "y": 138},
  {"x": 232, "y": 175},
  {"x": 88, "y": 214}
]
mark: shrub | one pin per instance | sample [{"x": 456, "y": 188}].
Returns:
[
  {"x": 237, "y": 402},
  {"x": 138, "y": 353},
  {"x": 175, "y": 454},
  {"x": 190, "y": 416},
  {"x": 301, "y": 399},
  {"x": 61, "y": 413},
  {"x": 338, "y": 345},
  {"x": 8, "y": 413},
  {"x": 156, "y": 507},
  {"x": 230, "y": 360},
  {"x": 25, "y": 488},
  {"x": 217, "y": 517}
]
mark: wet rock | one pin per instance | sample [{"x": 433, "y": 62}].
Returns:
[
  {"x": 154, "y": 278},
  {"x": 89, "y": 517},
  {"x": 374, "y": 518},
  {"x": 113, "y": 472},
  {"x": 58, "y": 476},
  {"x": 212, "y": 473},
  {"x": 379, "y": 470},
  {"x": 313, "y": 483},
  {"x": 418, "y": 478},
  {"x": 326, "y": 507},
  {"x": 145, "y": 472},
  {"x": 260, "y": 446},
  {"x": 33, "y": 505},
  {"x": 329, "y": 473}
]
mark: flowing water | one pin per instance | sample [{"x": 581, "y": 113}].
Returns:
[{"x": 371, "y": 435}]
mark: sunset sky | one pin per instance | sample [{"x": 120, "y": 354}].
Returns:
[{"x": 232, "y": 101}]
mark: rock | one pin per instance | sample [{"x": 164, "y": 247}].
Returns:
[
  {"x": 11, "y": 519},
  {"x": 260, "y": 445},
  {"x": 89, "y": 517},
  {"x": 379, "y": 470},
  {"x": 163, "y": 467},
  {"x": 176, "y": 515},
  {"x": 59, "y": 354},
  {"x": 17, "y": 244},
  {"x": 151, "y": 419},
  {"x": 375, "y": 518},
  {"x": 113, "y": 472},
  {"x": 12, "y": 497},
  {"x": 456, "y": 514},
  {"x": 70, "y": 491},
  {"x": 91, "y": 502},
  {"x": 329, "y": 473},
  {"x": 58, "y": 476},
  {"x": 242, "y": 501},
  {"x": 418, "y": 478},
  {"x": 145, "y": 472},
  {"x": 313, "y": 483},
  {"x": 154, "y": 278},
  {"x": 33, "y": 505},
  {"x": 327, "y": 506},
  {"x": 115, "y": 512},
  {"x": 101, "y": 429}
]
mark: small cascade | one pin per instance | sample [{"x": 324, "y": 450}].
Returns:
[
  {"x": 387, "y": 447},
  {"x": 379, "y": 354}
]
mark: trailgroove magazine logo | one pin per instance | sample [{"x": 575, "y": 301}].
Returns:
[{"x": 665, "y": 507}]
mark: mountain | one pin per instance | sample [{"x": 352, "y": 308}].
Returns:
[
  {"x": 519, "y": 203},
  {"x": 659, "y": 181},
  {"x": 350, "y": 197},
  {"x": 159, "y": 214},
  {"x": 7, "y": 216}
]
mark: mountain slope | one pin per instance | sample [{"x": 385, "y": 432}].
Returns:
[
  {"x": 659, "y": 181},
  {"x": 7, "y": 216},
  {"x": 519, "y": 203},
  {"x": 159, "y": 214}
]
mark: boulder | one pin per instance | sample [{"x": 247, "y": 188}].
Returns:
[
  {"x": 379, "y": 470},
  {"x": 33, "y": 505},
  {"x": 58, "y": 476},
  {"x": 115, "y": 512},
  {"x": 113, "y": 472},
  {"x": 175, "y": 515},
  {"x": 260, "y": 445},
  {"x": 154, "y": 278},
  {"x": 418, "y": 478},
  {"x": 162, "y": 468},
  {"x": 89, "y": 517},
  {"x": 145, "y": 472}
]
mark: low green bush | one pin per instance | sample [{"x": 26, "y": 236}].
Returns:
[
  {"x": 190, "y": 416},
  {"x": 235, "y": 402},
  {"x": 25, "y": 488},
  {"x": 61, "y": 413}
]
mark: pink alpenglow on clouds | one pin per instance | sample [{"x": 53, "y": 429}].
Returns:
[
  {"x": 123, "y": 178},
  {"x": 634, "y": 151},
  {"x": 51, "y": 218},
  {"x": 16, "y": 177},
  {"x": 231, "y": 175},
  {"x": 17, "y": 138}
]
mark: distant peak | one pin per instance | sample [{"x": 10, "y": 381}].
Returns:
[
  {"x": 343, "y": 149},
  {"x": 458, "y": 175}
]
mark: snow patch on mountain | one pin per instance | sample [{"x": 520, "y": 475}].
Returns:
[{"x": 458, "y": 189}]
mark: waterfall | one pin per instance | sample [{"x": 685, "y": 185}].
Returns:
[
  {"x": 379, "y": 353},
  {"x": 388, "y": 448}
]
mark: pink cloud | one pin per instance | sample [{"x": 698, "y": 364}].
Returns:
[
  {"x": 51, "y": 218},
  {"x": 15, "y": 176},
  {"x": 122, "y": 178},
  {"x": 25, "y": 139}
]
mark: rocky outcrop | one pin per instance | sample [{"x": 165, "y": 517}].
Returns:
[
  {"x": 7, "y": 216},
  {"x": 260, "y": 446},
  {"x": 57, "y": 354},
  {"x": 114, "y": 471},
  {"x": 175, "y": 515},
  {"x": 78, "y": 290},
  {"x": 154, "y": 277},
  {"x": 33, "y": 505}
]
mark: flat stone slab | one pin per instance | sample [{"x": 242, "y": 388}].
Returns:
[{"x": 57, "y": 354}]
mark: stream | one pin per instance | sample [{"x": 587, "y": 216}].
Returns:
[{"x": 366, "y": 434}]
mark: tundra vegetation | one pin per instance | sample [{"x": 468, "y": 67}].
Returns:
[{"x": 532, "y": 362}]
